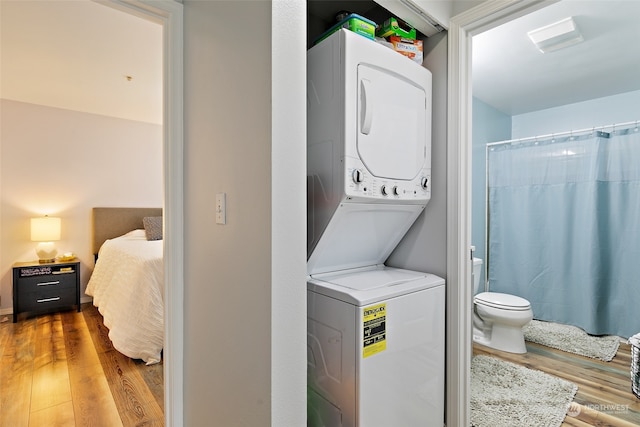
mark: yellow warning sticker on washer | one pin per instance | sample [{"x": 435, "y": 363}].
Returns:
[{"x": 374, "y": 328}]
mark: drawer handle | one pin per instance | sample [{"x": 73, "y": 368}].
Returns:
[
  {"x": 48, "y": 283},
  {"x": 48, "y": 299},
  {"x": 64, "y": 272}
]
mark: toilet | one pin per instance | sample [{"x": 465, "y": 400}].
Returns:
[{"x": 498, "y": 318}]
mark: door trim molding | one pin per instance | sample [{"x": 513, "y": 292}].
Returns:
[
  {"x": 459, "y": 308},
  {"x": 169, "y": 14}
]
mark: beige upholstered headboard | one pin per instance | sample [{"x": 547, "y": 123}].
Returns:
[{"x": 113, "y": 222}]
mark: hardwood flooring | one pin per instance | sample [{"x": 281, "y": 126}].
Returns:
[
  {"x": 604, "y": 396},
  {"x": 60, "y": 370}
]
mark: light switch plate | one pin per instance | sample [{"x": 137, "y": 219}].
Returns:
[{"x": 221, "y": 208}]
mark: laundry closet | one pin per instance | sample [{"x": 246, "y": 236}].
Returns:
[{"x": 375, "y": 333}]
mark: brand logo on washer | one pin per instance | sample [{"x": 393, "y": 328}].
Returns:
[{"x": 381, "y": 309}]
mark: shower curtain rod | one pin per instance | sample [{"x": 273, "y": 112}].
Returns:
[{"x": 613, "y": 127}]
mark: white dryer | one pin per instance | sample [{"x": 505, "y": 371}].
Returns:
[
  {"x": 375, "y": 334},
  {"x": 368, "y": 150}
]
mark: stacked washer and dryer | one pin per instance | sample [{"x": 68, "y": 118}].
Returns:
[{"x": 375, "y": 333}]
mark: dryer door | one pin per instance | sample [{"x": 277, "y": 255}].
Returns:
[{"x": 392, "y": 124}]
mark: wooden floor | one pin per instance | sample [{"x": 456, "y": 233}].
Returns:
[
  {"x": 61, "y": 370},
  {"x": 604, "y": 396}
]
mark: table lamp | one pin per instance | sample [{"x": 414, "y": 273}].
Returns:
[{"x": 45, "y": 230}]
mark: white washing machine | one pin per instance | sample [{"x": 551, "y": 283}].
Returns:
[
  {"x": 375, "y": 333},
  {"x": 375, "y": 340}
]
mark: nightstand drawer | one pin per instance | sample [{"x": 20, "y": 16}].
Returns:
[
  {"x": 41, "y": 283},
  {"x": 45, "y": 287},
  {"x": 48, "y": 299}
]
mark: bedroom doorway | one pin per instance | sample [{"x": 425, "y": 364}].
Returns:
[
  {"x": 169, "y": 14},
  {"x": 69, "y": 136}
]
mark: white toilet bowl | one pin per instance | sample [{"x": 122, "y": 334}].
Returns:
[{"x": 498, "y": 318}]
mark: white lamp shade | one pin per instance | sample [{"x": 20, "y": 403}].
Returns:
[{"x": 45, "y": 229}]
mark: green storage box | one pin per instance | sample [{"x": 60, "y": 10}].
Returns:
[{"x": 354, "y": 22}]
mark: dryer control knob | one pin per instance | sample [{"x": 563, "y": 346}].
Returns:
[
  {"x": 383, "y": 190},
  {"x": 357, "y": 176},
  {"x": 395, "y": 190},
  {"x": 424, "y": 182}
]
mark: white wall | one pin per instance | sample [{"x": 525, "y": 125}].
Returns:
[
  {"x": 63, "y": 163},
  {"x": 424, "y": 247},
  {"x": 489, "y": 125},
  {"x": 598, "y": 112},
  {"x": 243, "y": 287},
  {"x": 289, "y": 215}
]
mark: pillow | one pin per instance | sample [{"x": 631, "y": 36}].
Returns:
[{"x": 152, "y": 227}]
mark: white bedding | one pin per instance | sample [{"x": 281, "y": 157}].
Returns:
[{"x": 127, "y": 287}]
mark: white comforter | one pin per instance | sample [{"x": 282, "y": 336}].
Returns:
[{"x": 127, "y": 287}]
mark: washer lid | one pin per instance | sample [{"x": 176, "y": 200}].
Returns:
[
  {"x": 367, "y": 285},
  {"x": 373, "y": 279},
  {"x": 500, "y": 300}
]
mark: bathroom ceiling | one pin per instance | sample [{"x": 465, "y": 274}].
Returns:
[{"x": 511, "y": 75}]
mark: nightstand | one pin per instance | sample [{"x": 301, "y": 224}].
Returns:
[{"x": 45, "y": 287}]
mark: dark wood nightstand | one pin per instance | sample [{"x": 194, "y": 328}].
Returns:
[{"x": 45, "y": 287}]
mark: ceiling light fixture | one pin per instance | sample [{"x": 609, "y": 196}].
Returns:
[{"x": 556, "y": 36}]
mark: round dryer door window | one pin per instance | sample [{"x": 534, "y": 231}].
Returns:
[{"x": 393, "y": 124}]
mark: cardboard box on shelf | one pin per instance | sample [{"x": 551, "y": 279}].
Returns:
[
  {"x": 408, "y": 47},
  {"x": 396, "y": 27}
]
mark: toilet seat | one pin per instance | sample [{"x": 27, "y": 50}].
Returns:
[{"x": 502, "y": 301}]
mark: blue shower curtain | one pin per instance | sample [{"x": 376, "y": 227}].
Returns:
[{"x": 564, "y": 228}]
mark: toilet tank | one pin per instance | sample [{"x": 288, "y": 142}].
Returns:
[{"x": 477, "y": 266}]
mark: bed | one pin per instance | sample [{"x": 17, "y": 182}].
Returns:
[{"x": 127, "y": 283}]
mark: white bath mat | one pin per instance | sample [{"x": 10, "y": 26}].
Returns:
[
  {"x": 507, "y": 395},
  {"x": 572, "y": 340}
]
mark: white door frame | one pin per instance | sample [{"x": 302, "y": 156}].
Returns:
[
  {"x": 462, "y": 28},
  {"x": 169, "y": 14}
]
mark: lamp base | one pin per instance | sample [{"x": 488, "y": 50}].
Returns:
[{"x": 46, "y": 252}]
